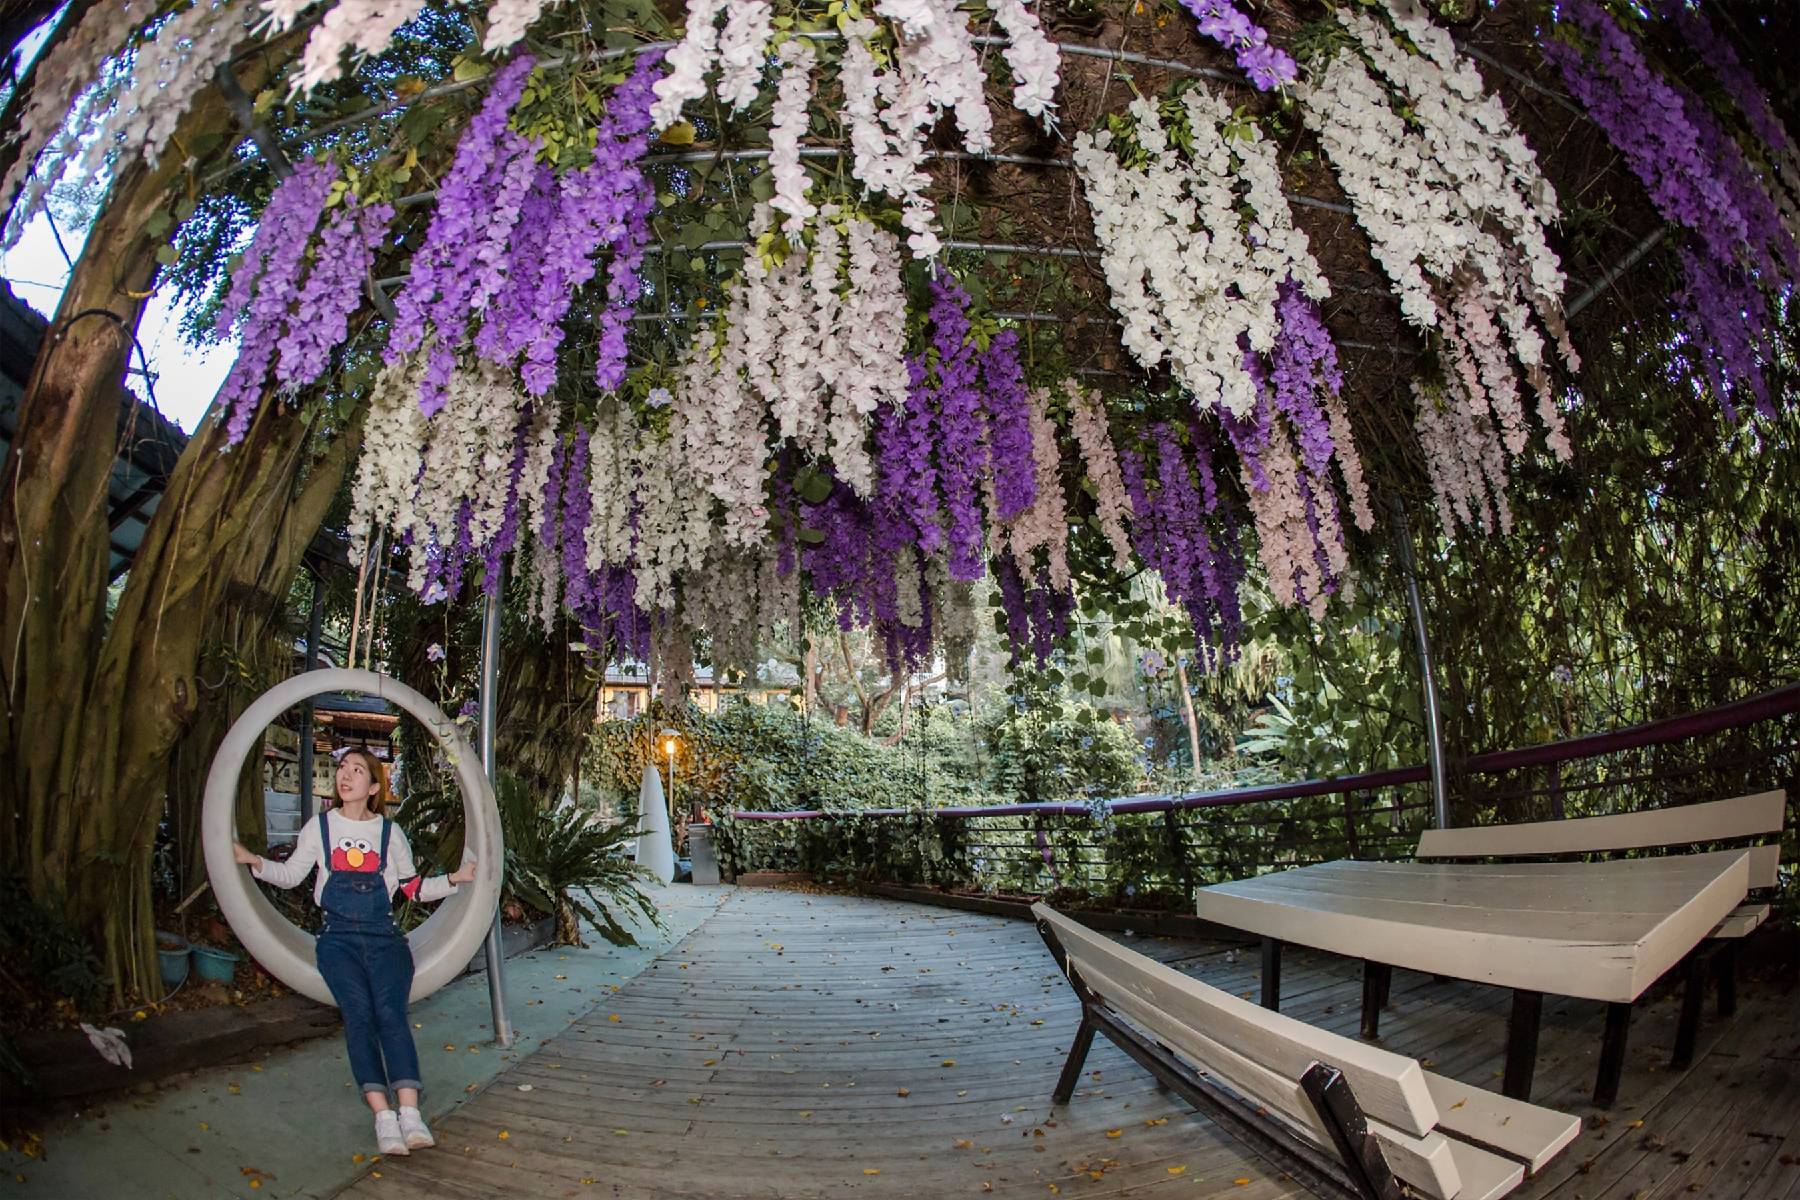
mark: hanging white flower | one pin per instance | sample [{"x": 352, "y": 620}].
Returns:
[
  {"x": 1034, "y": 58},
  {"x": 786, "y": 126},
  {"x": 687, "y": 63},
  {"x": 393, "y": 447},
  {"x": 1181, "y": 275},
  {"x": 365, "y": 27},
  {"x": 937, "y": 51},
  {"x": 742, "y": 50},
  {"x": 509, "y": 19},
  {"x": 716, "y": 429}
]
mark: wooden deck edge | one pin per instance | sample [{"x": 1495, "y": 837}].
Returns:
[{"x": 1164, "y": 924}]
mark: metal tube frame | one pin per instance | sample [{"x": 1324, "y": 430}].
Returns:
[
  {"x": 490, "y": 672},
  {"x": 1434, "y": 732}
]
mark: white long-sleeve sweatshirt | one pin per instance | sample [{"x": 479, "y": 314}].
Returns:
[{"x": 355, "y": 846}]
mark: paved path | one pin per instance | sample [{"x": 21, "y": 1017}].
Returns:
[
  {"x": 291, "y": 1121},
  {"x": 812, "y": 1046}
]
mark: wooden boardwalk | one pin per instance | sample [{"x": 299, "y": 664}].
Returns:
[{"x": 818, "y": 1046}]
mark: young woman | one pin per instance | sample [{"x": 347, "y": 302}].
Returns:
[{"x": 362, "y": 860}]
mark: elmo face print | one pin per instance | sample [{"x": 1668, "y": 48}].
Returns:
[{"x": 355, "y": 854}]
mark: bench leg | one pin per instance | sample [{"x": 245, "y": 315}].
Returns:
[
  {"x": 1693, "y": 999},
  {"x": 1612, "y": 1055},
  {"x": 1071, "y": 1072},
  {"x": 1377, "y": 978},
  {"x": 1271, "y": 974},
  {"x": 1522, "y": 1043},
  {"x": 1725, "y": 969},
  {"x": 1343, "y": 1118}
]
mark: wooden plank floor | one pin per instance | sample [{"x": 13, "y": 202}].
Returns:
[{"x": 809, "y": 1046}]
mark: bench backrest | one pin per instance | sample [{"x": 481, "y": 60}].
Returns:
[{"x": 1737, "y": 819}]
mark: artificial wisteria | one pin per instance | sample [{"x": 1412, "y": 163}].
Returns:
[
  {"x": 1267, "y": 65},
  {"x": 1737, "y": 252},
  {"x": 289, "y": 316}
]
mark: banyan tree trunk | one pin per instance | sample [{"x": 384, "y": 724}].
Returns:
[{"x": 93, "y": 705}]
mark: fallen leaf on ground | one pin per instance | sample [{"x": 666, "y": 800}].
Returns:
[
  {"x": 612, "y": 1016},
  {"x": 964, "y": 1144},
  {"x": 1181, "y": 1170},
  {"x": 904, "y": 1092},
  {"x": 1153, "y": 1121},
  {"x": 505, "y": 1135},
  {"x": 1113, "y": 1133},
  {"x": 949, "y": 1062},
  {"x": 871, "y": 1170}
]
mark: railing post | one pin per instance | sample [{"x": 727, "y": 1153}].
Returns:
[
  {"x": 1434, "y": 733},
  {"x": 489, "y": 701}
]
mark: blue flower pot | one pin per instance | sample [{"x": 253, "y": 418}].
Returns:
[
  {"x": 215, "y": 966},
  {"x": 172, "y": 955}
]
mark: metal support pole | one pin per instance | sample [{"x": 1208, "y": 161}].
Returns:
[
  {"x": 1434, "y": 732},
  {"x": 490, "y": 672},
  {"x": 315, "y": 619}
]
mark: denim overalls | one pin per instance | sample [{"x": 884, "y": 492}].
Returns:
[{"x": 369, "y": 968}]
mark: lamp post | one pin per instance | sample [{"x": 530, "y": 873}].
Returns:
[{"x": 669, "y": 736}]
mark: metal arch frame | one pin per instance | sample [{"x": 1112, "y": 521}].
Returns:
[{"x": 448, "y": 939}]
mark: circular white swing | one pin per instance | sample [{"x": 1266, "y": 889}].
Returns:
[{"x": 445, "y": 943}]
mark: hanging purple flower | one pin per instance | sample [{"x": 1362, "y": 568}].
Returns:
[
  {"x": 1008, "y": 427},
  {"x": 1268, "y": 66},
  {"x": 956, "y": 412},
  {"x": 906, "y": 481},
  {"x": 264, "y": 286},
  {"x": 332, "y": 291}
]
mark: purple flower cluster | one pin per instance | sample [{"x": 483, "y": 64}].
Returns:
[
  {"x": 263, "y": 288},
  {"x": 957, "y": 422},
  {"x": 478, "y": 206},
  {"x": 906, "y": 476},
  {"x": 853, "y": 564},
  {"x": 562, "y": 225},
  {"x": 1697, "y": 177},
  {"x": 604, "y": 602},
  {"x": 1037, "y": 614},
  {"x": 1304, "y": 359},
  {"x": 1170, "y": 533},
  {"x": 1008, "y": 427},
  {"x": 1719, "y": 54},
  {"x": 1268, "y": 66},
  {"x": 332, "y": 290},
  {"x": 623, "y": 140}
]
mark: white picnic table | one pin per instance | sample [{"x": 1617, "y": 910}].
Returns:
[{"x": 1598, "y": 930}]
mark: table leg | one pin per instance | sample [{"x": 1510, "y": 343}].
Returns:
[
  {"x": 1271, "y": 974},
  {"x": 1693, "y": 999},
  {"x": 1612, "y": 1055},
  {"x": 1522, "y": 1043},
  {"x": 1725, "y": 966},
  {"x": 1377, "y": 977}
]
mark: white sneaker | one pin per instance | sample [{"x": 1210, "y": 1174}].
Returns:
[
  {"x": 388, "y": 1139},
  {"x": 412, "y": 1128}
]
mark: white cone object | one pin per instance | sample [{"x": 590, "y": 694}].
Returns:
[{"x": 655, "y": 846}]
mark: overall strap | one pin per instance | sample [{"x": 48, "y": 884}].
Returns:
[
  {"x": 387, "y": 827},
  {"x": 324, "y": 841}
]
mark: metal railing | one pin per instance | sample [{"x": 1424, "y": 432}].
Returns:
[{"x": 1151, "y": 851}]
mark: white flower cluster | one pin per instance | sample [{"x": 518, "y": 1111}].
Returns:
[
  {"x": 937, "y": 52},
  {"x": 787, "y": 124},
  {"x": 167, "y": 73},
  {"x": 674, "y": 524},
  {"x": 817, "y": 342},
  {"x": 742, "y": 48},
  {"x": 1112, "y": 506},
  {"x": 739, "y": 55},
  {"x": 1190, "y": 283},
  {"x": 363, "y": 26},
  {"x": 1045, "y": 524},
  {"x": 507, "y": 21},
  {"x": 888, "y": 114},
  {"x": 417, "y": 473},
  {"x": 1034, "y": 59},
  {"x": 1464, "y": 458},
  {"x": 612, "y": 477},
  {"x": 1486, "y": 161},
  {"x": 69, "y": 93},
  {"x": 393, "y": 447},
  {"x": 717, "y": 432}
]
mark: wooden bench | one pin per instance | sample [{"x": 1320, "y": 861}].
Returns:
[
  {"x": 1334, "y": 1110},
  {"x": 1742, "y": 820}
]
